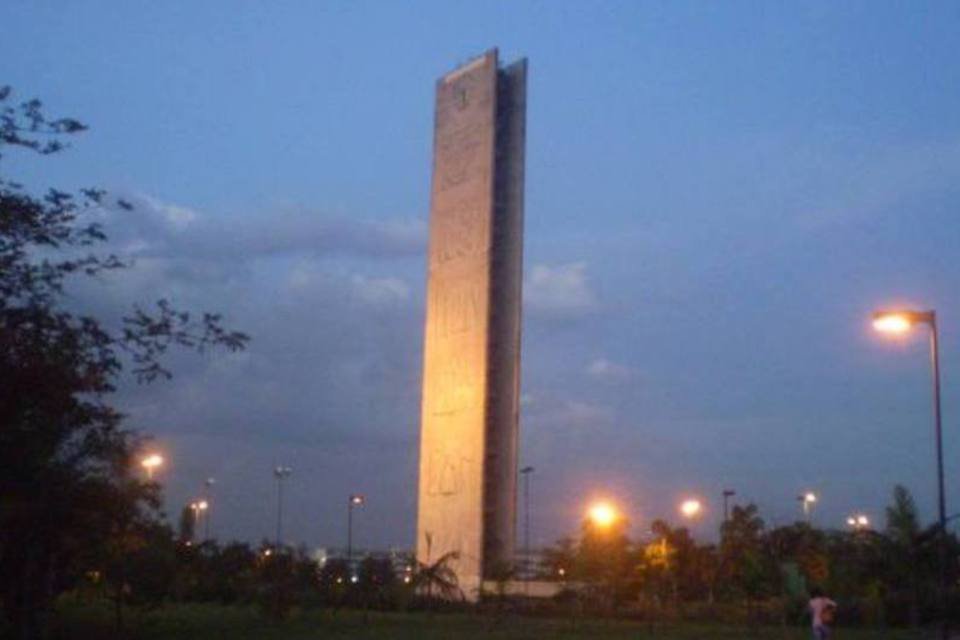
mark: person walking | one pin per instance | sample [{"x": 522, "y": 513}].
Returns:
[{"x": 822, "y": 611}]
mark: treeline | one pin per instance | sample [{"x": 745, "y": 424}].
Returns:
[
  {"x": 755, "y": 574},
  {"x": 888, "y": 576},
  {"x": 156, "y": 568}
]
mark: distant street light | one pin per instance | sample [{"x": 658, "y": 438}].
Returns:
[
  {"x": 603, "y": 514},
  {"x": 151, "y": 463},
  {"x": 355, "y": 500},
  {"x": 280, "y": 473},
  {"x": 807, "y": 500},
  {"x": 858, "y": 522},
  {"x": 207, "y": 485},
  {"x": 691, "y": 508},
  {"x": 727, "y": 494},
  {"x": 198, "y": 507},
  {"x": 525, "y": 472},
  {"x": 898, "y": 323}
]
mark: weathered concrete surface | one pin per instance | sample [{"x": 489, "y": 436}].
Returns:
[
  {"x": 468, "y": 446},
  {"x": 531, "y": 589}
]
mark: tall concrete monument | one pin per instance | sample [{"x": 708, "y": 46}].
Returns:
[{"x": 471, "y": 360}]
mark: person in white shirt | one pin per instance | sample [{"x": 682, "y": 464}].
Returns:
[{"x": 822, "y": 609}]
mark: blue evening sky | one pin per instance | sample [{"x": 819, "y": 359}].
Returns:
[{"x": 718, "y": 195}]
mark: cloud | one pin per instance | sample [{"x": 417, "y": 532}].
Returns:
[
  {"x": 567, "y": 414},
  {"x": 153, "y": 228},
  {"x": 603, "y": 369},
  {"x": 380, "y": 291},
  {"x": 176, "y": 216},
  {"x": 335, "y": 330},
  {"x": 560, "y": 291},
  {"x": 308, "y": 278},
  {"x": 301, "y": 232}
]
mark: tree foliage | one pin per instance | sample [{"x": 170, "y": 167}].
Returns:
[
  {"x": 67, "y": 489},
  {"x": 761, "y": 574},
  {"x": 438, "y": 579}
]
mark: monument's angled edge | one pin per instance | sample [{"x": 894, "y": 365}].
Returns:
[{"x": 471, "y": 362}]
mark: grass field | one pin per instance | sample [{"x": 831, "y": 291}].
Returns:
[{"x": 209, "y": 622}]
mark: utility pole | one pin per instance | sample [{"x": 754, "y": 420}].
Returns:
[
  {"x": 727, "y": 494},
  {"x": 280, "y": 473},
  {"x": 525, "y": 472}
]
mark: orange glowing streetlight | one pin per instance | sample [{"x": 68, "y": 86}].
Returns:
[
  {"x": 603, "y": 514},
  {"x": 151, "y": 462},
  {"x": 900, "y": 322},
  {"x": 895, "y": 322},
  {"x": 354, "y": 500},
  {"x": 691, "y": 508}
]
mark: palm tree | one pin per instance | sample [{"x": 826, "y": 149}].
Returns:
[{"x": 438, "y": 575}]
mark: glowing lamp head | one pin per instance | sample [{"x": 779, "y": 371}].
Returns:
[
  {"x": 152, "y": 461},
  {"x": 863, "y": 521},
  {"x": 691, "y": 508},
  {"x": 203, "y": 505},
  {"x": 356, "y": 499},
  {"x": 892, "y": 323},
  {"x": 810, "y": 497},
  {"x": 603, "y": 514}
]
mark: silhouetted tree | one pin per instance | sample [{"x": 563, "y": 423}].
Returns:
[
  {"x": 903, "y": 531},
  {"x": 674, "y": 568},
  {"x": 604, "y": 560},
  {"x": 66, "y": 479},
  {"x": 187, "y": 524},
  {"x": 557, "y": 561},
  {"x": 745, "y": 566},
  {"x": 375, "y": 582},
  {"x": 804, "y": 546},
  {"x": 233, "y": 569}
]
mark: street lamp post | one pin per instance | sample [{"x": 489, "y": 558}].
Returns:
[
  {"x": 900, "y": 322},
  {"x": 355, "y": 500},
  {"x": 280, "y": 473},
  {"x": 807, "y": 500},
  {"x": 525, "y": 472},
  {"x": 207, "y": 486},
  {"x": 199, "y": 508},
  {"x": 727, "y": 494}
]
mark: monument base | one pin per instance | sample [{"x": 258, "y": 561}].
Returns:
[{"x": 521, "y": 588}]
